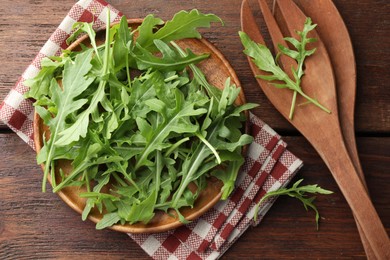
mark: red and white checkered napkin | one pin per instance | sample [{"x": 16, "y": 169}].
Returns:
[{"x": 268, "y": 164}]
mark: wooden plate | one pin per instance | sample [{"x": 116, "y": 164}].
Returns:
[{"x": 217, "y": 69}]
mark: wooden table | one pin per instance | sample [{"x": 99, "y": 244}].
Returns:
[{"x": 39, "y": 225}]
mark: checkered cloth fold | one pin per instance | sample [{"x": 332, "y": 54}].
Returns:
[{"x": 268, "y": 165}]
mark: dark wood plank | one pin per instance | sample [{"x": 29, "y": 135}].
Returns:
[
  {"x": 25, "y": 26},
  {"x": 39, "y": 225}
]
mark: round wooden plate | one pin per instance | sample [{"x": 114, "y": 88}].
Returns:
[{"x": 217, "y": 69}]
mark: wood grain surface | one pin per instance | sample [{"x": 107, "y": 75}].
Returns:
[{"x": 34, "y": 225}]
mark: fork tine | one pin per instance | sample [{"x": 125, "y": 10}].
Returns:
[
  {"x": 273, "y": 28},
  {"x": 292, "y": 15},
  {"x": 276, "y": 36},
  {"x": 294, "y": 19},
  {"x": 248, "y": 23}
]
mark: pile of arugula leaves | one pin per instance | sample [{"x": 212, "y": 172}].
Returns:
[{"x": 145, "y": 135}]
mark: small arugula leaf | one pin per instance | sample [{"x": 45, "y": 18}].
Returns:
[
  {"x": 108, "y": 220},
  {"x": 143, "y": 211},
  {"x": 301, "y": 51},
  {"x": 102, "y": 180},
  {"x": 39, "y": 85},
  {"x": 169, "y": 61},
  {"x": 87, "y": 166},
  {"x": 263, "y": 58},
  {"x": 298, "y": 192},
  {"x": 146, "y": 30},
  {"x": 121, "y": 48},
  {"x": 286, "y": 51},
  {"x": 183, "y": 25},
  {"x": 87, "y": 28},
  {"x": 182, "y": 219},
  {"x": 228, "y": 177},
  {"x": 199, "y": 77},
  {"x": 133, "y": 102}
]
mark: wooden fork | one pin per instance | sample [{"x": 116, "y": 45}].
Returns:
[{"x": 322, "y": 130}]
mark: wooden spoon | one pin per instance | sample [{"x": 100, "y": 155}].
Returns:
[
  {"x": 321, "y": 129},
  {"x": 334, "y": 35}
]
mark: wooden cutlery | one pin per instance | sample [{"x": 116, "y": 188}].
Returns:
[{"x": 321, "y": 129}]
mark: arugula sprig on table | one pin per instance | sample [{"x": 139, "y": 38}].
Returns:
[
  {"x": 137, "y": 140},
  {"x": 264, "y": 60},
  {"x": 298, "y": 192}
]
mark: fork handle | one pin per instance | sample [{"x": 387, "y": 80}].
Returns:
[{"x": 356, "y": 195}]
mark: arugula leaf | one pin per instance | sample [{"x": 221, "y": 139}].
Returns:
[
  {"x": 143, "y": 211},
  {"x": 212, "y": 91},
  {"x": 108, "y": 220},
  {"x": 39, "y": 85},
  {"x": 87, "y": 28},
  {"x": 299, "y": 54},
  {"x": 122, "y": 43},
  {"x": 146, "y": 30},
  {"x": 298, "y": 192},
  {"x": 264, "y": 60},
  {"x": 169, "y": 61},
  {"x": 102, "y": 181},
  {"x": 183, "y": 25},
  {"x": 73, "y": 83},
  {"x": 229, "y": 179}
]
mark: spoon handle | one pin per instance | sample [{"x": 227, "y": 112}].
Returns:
[{"x": 338, "y": 161}]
